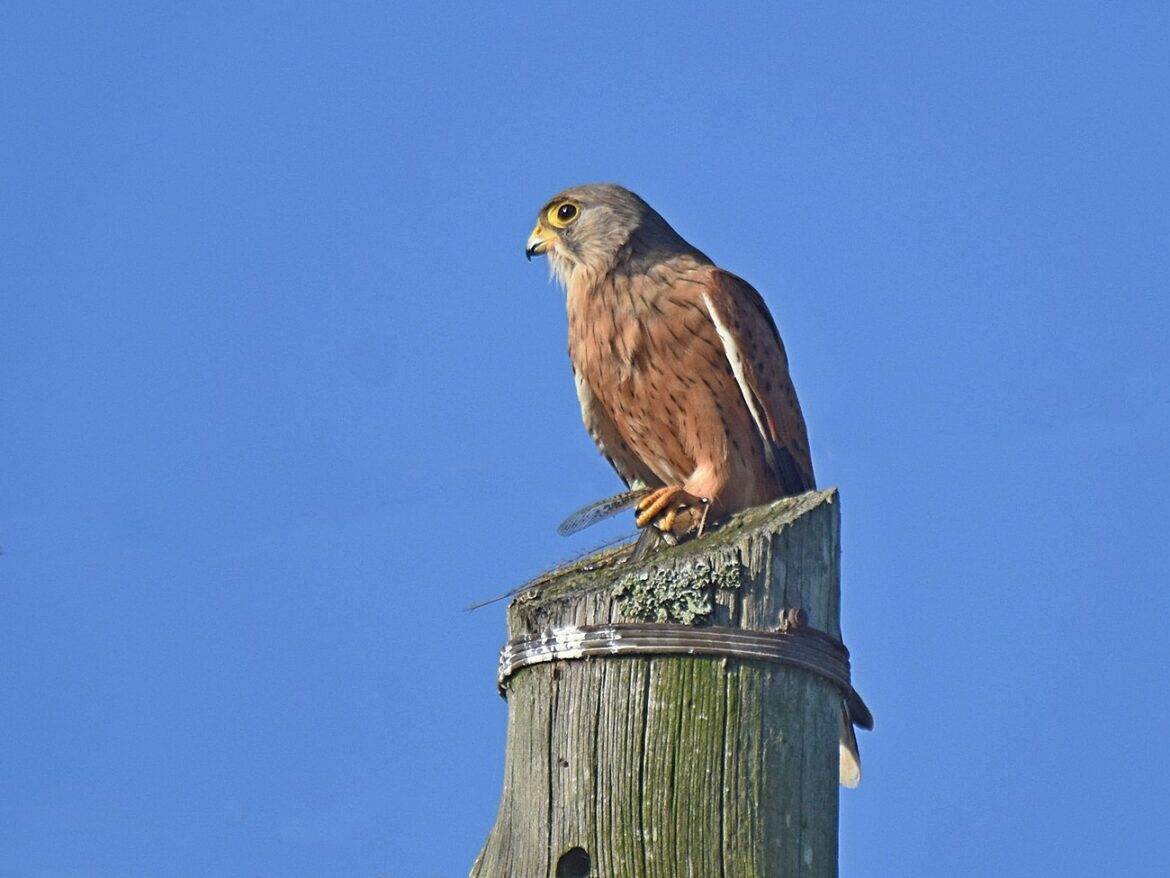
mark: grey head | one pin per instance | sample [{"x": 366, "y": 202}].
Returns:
[{"x": 603, "y": 228}]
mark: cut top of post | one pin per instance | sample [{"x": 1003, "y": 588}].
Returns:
[{"x": 745, "y": 574}]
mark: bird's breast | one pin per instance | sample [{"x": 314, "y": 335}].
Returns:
[{"x": 610, "y": 335}]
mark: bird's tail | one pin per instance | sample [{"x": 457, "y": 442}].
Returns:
[
  {"x": 850, "y": 765},
  {"x": 853, "y": 713}
]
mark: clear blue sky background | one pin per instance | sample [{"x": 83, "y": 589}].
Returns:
[{"x": 281, "y": 396}]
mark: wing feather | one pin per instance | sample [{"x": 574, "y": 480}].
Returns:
[{"x": 756, "y": 354}]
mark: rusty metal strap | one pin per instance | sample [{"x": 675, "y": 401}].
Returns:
[{"x": 795, "y": 644}]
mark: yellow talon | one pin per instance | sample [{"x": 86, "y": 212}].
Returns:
[
  {"x": 650, "y": 507},
  {"x": 663, "y": 508},
  {"x": 667, "y": 523}
]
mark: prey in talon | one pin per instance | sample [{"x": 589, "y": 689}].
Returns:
[
  {"x": 680, "y": 371},
  {"x": 663, "y": 508}
]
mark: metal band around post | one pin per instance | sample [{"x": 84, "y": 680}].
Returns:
[{"x": 795, "y": 645}]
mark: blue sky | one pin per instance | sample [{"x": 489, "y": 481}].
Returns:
[{"x": 281, "y": 396}]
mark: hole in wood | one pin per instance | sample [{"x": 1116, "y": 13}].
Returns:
[{"x": 574, "y": 863}]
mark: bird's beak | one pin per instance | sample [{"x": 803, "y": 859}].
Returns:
[{"x": 538, "y": 242}]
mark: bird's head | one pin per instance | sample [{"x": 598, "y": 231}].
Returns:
[{"x": 596, "y": 227}]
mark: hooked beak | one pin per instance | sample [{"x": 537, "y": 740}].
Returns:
[{"x": 538, "y": 242}]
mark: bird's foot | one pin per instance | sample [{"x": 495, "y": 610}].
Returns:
[{"x": 672, "y": 510}]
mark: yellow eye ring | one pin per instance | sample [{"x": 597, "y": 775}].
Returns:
[{"x": 563, "y": 214}]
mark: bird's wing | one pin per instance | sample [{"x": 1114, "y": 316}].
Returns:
[
  {"x": 609, "y": 440},
  {"x": 756, "y": 354}
]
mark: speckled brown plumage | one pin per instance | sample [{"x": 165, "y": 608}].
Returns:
[{"x": 680, "y": 371}]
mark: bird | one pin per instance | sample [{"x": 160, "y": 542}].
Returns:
[
  {"x": 680, "y": 371},
  {"x": 681, "y": 375}
]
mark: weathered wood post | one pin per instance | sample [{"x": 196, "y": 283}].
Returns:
[{"x": 635, "y": 751}]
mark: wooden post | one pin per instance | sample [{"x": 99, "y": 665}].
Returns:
[{"x": 666, "y": 766}]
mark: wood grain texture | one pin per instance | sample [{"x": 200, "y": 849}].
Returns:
[{"x": 672, "y": 766}]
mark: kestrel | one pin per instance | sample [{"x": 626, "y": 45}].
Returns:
[
  {"x": 680, "y": 371},
  {"x": 681, "y": 374}
]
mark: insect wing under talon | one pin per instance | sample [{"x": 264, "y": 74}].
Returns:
[{"x": 600, "y": 510}]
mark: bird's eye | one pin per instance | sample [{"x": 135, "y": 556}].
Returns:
[{"x": 560, "y": 215}]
